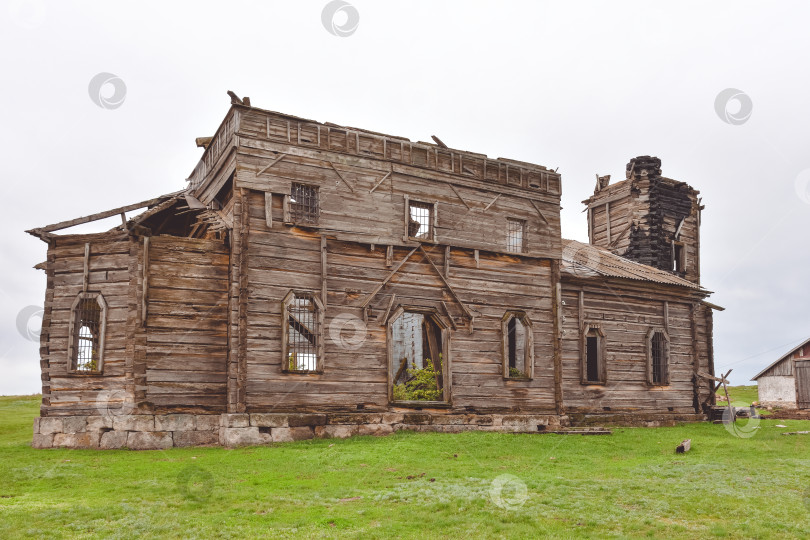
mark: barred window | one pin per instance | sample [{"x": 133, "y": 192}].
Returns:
[
  {"x": 304, "y": 207},
  {"x": 657, "y": 357},
  {"x": 515, "y": 235},
  {"x": 420, "y": 224},
  {"x": 303, "y": 350},
  {"x": 87, "y": 333}
]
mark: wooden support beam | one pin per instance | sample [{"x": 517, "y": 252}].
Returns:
[
  {"x": 124, "y": 219},
  {"x": 607, "y": 220},
  {"x": 323, "y": 271},
  {"x": 539, "y": 212},
  {"x": 389, "y": 256},
  {"x": 460, "y": 197},
  {"x": 391, "y": 274},
  {"x": 621, "y": 235},
  {"x": 286, "y": 210},
  {"x": 666, "y": 316},
  {"x": 145, "y": 281},
  {"x": 447, "y": 261},
  {"x": 279, "y": 158},
  {"x": 384, "y": 318},
  {"x": 449, "y": 316},
  {"x": 381, "y": 180},
  {"x": 447, "y": 283},
  {"x": 268, "y": 209},
  {"x": 341, "y": 176},
  {"x": 86, "y": 278},
  {"x": 94, "y": 217},
  {"x": 556, "y": 314},
  {"x": 498, "y": 196}
]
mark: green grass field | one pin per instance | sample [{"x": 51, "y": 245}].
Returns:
[
  {"x": 629, "y": 484},
  {"x": 741, "y": 396}
]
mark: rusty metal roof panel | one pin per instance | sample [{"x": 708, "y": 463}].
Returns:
[{"x": 584, "y": 260}]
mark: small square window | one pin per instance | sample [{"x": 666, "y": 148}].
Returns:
[
  {"x": 515, "y": 235},
  {"x": 304, "y": 204},
  {"x": 420, "y": 222}
]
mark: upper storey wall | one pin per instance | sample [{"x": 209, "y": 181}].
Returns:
[{"x": 364, "y": 180}]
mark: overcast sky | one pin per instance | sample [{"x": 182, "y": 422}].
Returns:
[{"x": 582, "y": 86}]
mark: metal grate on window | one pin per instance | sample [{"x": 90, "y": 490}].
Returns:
[
  {"x": 304, "y": 203},
  {"x": 514, "y": 235},
  {"x": 302, "y": 334},
  {"x": 421, "y": 223},
  {"x": 658, "y": 358},
  {"x": 87, "y": 332}
]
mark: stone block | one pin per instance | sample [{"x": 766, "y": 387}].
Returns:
[
  {"x": 42, "y": 441},
  {"x": 207, "y": 422},
  {"x": 301, "y": 420},
  {"x": 113, "y": 440},
  {"x": 417, "y": 418},
  {"x": 99, "y": 423},
  {"x": 271, "y": 420},
  {"x": 336, "y": 431},
  {"x": 51, "y": 424},
  {"x": 195, "y": 438},
  {"x": 76, "y": 440},
  {"x": 292, "y": 434},
  {"x": 75, "y": 424},
  {"x": 154, "y": 440},
  {"x": 354, "y": 418},
  {"x": 134, "y": 422},
  {"x": 236, "y": 420},
  {"x": 175, "y": 422},
  {"x": 242, "y": 436},
  {"x": 523, "y": 423},
  {"x": 36, "y": 425},
  {"x": 374, "y": 429},
  {"x": 392, "y": 418}
]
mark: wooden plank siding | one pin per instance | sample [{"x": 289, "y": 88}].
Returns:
[
  {"x": 283, "y": 258},
  {"x": 186, "y": 325},
  {"x": 195, "y": 319},
  {"x": 65, "y": 393},
  {"x": 626, "y": 314}
]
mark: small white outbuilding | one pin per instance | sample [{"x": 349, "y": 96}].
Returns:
[{"x": 786, "y": 382}]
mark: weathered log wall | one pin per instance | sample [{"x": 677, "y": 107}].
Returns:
[
  {"x": 627, "y": 313},
  {"x": 356, "y": 368},
  {"x": 186, "y": 325},
  {"x": 109, "y": 270}
]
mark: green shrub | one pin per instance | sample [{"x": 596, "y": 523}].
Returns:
[{"x": 421, "y": 386}]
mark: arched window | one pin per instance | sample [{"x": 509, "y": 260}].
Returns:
[
  {"x": 518, "y": 345},
  {"x": 658, "y": 357},
  {"x": 88, "y": 325},
  {"x": 418, "y": 356},
  {"x": 593, "y": 368},
  {"x": 302, "y": 324}
]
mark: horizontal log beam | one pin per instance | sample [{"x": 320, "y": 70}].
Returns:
[{"x": 95, "y": 217}]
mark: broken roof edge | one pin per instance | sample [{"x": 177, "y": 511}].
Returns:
[
  {"x": 782, "y": 358},
  {"x": 479, "y": 155},
  {"x": 45, "y": 233}
]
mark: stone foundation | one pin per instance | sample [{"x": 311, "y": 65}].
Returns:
[{"x": 155, "y": 432}]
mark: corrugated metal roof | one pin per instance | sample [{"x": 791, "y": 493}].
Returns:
[{"x": 586, "y": 260}]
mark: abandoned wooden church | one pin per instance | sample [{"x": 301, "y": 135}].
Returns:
[{"x": 317, "y": 280}]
